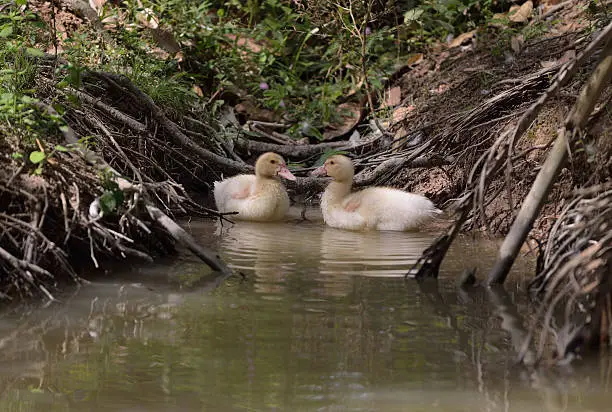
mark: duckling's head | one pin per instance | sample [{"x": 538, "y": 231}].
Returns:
[
  {"x": 339, "y": 167},
  {"x": 270, "y": 165}
]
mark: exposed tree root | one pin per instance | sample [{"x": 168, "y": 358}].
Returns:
[
  {"x": 500, "y": 158},
  {"x": 532, "y": 205},
  {"x": 51, "y": 225},
  {"x": 575, "y": 278}
]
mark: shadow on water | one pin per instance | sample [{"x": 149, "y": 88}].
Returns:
[{"x": 322, "y": 320}]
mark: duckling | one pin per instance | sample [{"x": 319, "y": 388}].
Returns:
[
  {"x": 259, "y": 197},
  {"x": 374, "y": 208}
]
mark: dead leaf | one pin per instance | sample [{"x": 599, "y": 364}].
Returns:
[
  {"x": 355, "y": 87},
  {"x": 252, "y": 112},
  {"x": 415, "y": 59},
  {"x": 165, "y": 39},
  {"x": 147, "y": 18},
  {"x": 517, "y": 43},
  {"x": 465, "y": 37},
  {"x": 521, "y": 14},
  {"x": 567, "y": 56},
  {"x": 401, "y": 113},
  {"x": 393, "y": 97},
  {"x": 498, "y": 20},
  {"x": 247, "y": 43},
  {"x": 350, "y": 114},
  {"x": 197, "y": 90},
  {"x": 97, "y": 5},
  {"x": 111, "y": 22}
]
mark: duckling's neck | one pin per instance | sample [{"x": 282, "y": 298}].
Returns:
[
  {"x": 336, "y": 191},
  {"x": 265, "y": 181}
]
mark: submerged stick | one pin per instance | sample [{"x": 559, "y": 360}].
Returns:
[
  {"x": 179, "y": 234},
  {"x": 512, "y": 323},
  {"x": 532, "y": 205}
]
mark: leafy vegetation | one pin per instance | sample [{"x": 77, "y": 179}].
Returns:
[
  {"x": 22, "y": 121},
  {"x": 298, "y": 59}
]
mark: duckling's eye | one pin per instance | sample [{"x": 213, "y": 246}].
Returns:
[
  {"x": 273, "y": 161},
  {"x": 331, "y": 163}
]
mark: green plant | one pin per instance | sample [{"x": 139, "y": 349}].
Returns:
[
  {"x": 112, "y": 197},
  {"x": 40, "y": 157},
  {"x": 433, "y": 20}
]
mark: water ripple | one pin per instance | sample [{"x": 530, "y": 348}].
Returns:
[{"x": 282, "y": 249}]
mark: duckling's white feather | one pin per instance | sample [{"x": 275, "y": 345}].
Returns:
[
  {"x": 270, "y": 202},
  {"x": 380, "y": 208}
]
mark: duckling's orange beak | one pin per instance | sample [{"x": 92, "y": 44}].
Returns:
[
  {"x": 319, "y": 171},
  {"x": 284, "y": 172}
]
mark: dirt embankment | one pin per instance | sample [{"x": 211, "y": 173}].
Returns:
[{"x": 464, "y": 99}]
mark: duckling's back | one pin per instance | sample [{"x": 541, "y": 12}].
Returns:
[{"x": 393, "y": 209}]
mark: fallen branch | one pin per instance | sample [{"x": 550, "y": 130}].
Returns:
[
  {"x": 391, "y": 166},
  {"x": 512, "y": 323},
  {"x": 110, "y": 111},
  {"x": 212, "y": 259},
  {"x": 114, "y": 238},
  {"x": 556, "y": 8},
  {"x": 296, "y": 151},
  {"x": 311, "y": 185}
]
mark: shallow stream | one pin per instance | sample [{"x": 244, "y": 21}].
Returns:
[{"x": 321, "y": 320}]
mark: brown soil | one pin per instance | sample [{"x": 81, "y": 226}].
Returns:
[{"x": 455, "y": 81}]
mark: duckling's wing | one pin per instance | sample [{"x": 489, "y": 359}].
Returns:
[{"x": 234, "y": 189}]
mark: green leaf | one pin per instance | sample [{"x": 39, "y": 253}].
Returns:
[
  {"x": 63, "y": 128},
  {"x": 119, "y": 196},
  {"x": 61, "y": 148},
  {"x": 38, "y": 170},
  {"x": 412, "y": 15},
  {"x": 73, "y": 99},
  {"x": 21, "y": 2},
  {"x": 59, "y": 108},
  {"x": 17, "y": 156},
  {"x": 37, "y": 157},
  {"x": 6, "y": 31},
  {"x": 28, "y": 100},
  {"x": 34, "y": 52},
  {"x": 108, "y": 203}
]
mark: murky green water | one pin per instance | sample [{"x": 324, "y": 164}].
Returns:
[{"x": 321, "y": 321}]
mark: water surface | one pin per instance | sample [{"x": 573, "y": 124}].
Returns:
[{"x": 319, "y": 320}]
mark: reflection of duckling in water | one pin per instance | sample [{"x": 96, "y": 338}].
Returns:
[
  {"x": 270, "y": 250},
  {"x": 379, "y": 208},
  {"x": 259, "y": 197},
  {"x": 371, "y": 253}
]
